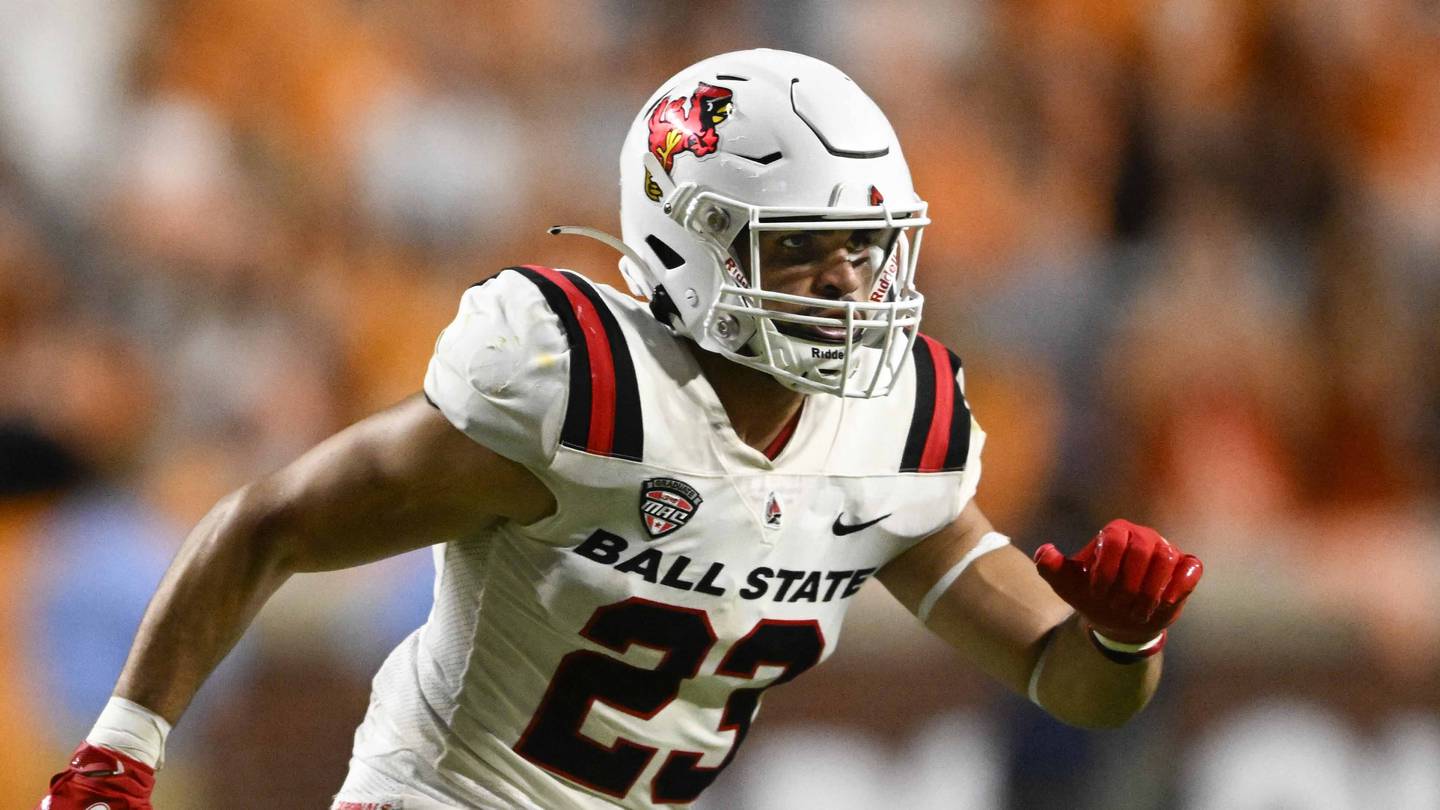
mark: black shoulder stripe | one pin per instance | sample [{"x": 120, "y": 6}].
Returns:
[
  {"x": 629, "y": 436},
  {"x": 959, "y": 450},
  {"x": 924, "y": 407},
  {"x": 939, "y": 436},
  {"x": 603, "y": 414},
  {"x": 576, "y": 430}
]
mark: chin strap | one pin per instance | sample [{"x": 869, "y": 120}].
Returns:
[{"x": 638, "y": 286}]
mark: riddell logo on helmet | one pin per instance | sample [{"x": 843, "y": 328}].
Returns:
[
  {"x": 735, "y": 275},
  {"x": 827, "y": 354},
  {"x": 686, "y": 124},
  {"x": 887, "y": 280}
]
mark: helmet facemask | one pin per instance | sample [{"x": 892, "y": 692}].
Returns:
[{"x": 853, "y": 344}]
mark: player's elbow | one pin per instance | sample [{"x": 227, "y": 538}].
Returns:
[
  {"x": 1095, "y": 721},
  {"x": 1101, "y": 713},
  {"x": 257, "y": 529}
]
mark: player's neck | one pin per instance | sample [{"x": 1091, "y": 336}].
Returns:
[{"x": 759, "y": 407}]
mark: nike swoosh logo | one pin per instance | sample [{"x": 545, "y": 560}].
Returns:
[{"x": 841, "y": 529}]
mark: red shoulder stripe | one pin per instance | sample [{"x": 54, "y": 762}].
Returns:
[
  {"x": 939, "y": 436},
  {"x": 602, "y": 362},
  {"x": 938, "y": 442}
]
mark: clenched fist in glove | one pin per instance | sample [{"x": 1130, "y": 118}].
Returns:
[
  {"x": 1128, "y": 584},
  {"x": 100, "y": 778}
]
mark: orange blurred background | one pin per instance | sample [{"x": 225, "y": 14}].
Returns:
[{"x": 1189, "y": 250}]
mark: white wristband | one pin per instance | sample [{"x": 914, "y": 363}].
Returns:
[
  {"x": 133, "y": 730},
  {"x": 1033, "y": 691},
  {"x": 988, "y": 543},
  {"x": 1122, "y": 647}
]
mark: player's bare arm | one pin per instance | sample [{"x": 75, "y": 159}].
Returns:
[
  {"x": 399, "y": 480},
  {"x": 1003, "y": 614}
]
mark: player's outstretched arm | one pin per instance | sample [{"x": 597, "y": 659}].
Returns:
[
  {"x": 1081, "y": 636},
  {"x": 399, "y": 480}
]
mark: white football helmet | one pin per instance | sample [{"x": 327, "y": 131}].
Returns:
[{"x": 763, "y": 140}]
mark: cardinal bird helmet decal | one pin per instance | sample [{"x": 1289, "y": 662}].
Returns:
[{"x": 686, "y": 124}]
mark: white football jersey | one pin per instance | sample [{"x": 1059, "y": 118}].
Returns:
[{"x": 615, "y": 653}]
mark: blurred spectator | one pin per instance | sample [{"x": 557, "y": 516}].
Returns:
[{"x": 63, "y": 76}]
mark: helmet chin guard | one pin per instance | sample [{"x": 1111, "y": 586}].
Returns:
[{"x": 764, "y": 141}]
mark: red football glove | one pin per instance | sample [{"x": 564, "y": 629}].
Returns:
[
  {"x": 100, "y": 777},
  {"x": 1129, "y": 583}
]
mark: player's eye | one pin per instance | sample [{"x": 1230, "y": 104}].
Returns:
[
  {"x": 795, "y": 242},
  {"x": 864, "y": 238}
]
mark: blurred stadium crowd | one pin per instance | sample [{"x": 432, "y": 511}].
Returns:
[{"x": 1189, "y": 249}]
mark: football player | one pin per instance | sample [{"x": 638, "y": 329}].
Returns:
[{"x": 650, "y": 513}]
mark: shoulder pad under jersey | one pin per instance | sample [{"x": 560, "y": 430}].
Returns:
[{"x": 533, "y": 360}]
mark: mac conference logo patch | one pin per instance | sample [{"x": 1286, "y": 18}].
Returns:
[{"x": 666, "y": 505}]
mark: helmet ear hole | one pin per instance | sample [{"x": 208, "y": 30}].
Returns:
[
  {"x": 664, "y": 252},
  {"x": 662, "y": 306}
]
